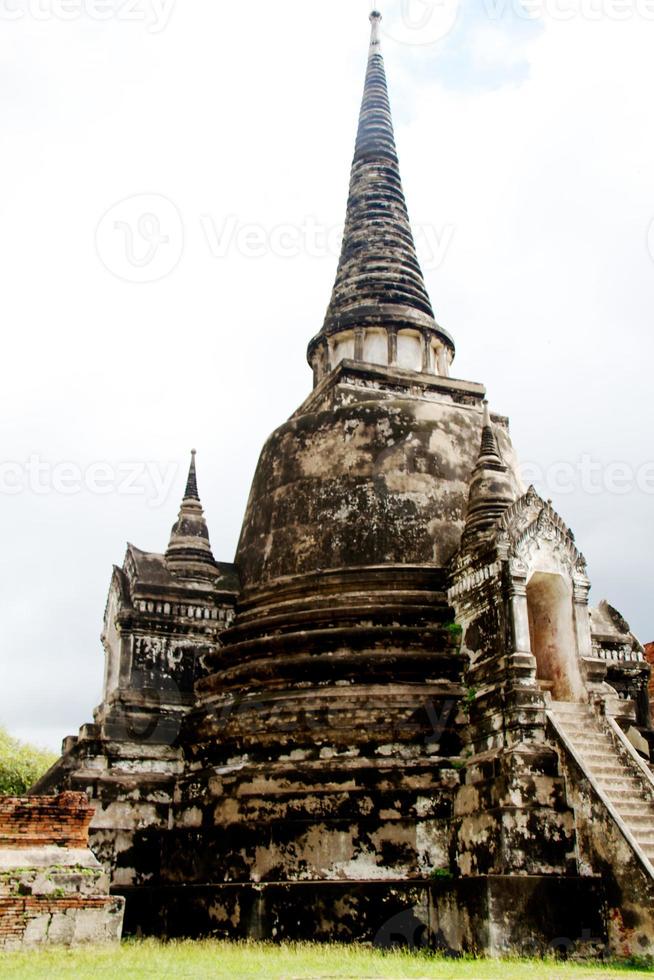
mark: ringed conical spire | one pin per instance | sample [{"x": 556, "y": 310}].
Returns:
[
  {"x": 379, "y": 283},
  {"x": 491, "y": 489},
  {"x": 189, "y": 553},
  {"x": 191, "y": 492}
]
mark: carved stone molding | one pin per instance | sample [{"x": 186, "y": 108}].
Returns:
[{"x": 532, "y": 524}]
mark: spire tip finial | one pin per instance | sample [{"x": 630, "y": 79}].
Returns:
[{"x": 375, "y": 20}]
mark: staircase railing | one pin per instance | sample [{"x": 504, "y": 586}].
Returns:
[
  {"x": 606, "y": 802},
  {"x": 644, "y": 770}
]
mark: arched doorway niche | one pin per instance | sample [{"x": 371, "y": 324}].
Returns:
[{"x": 552, "y": 634}]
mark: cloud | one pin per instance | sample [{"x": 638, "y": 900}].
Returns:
[{"x": 486, "y": 46}]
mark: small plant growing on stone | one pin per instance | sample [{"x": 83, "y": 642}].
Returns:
[
  {"x": 441, "y": 874},
  {"x": 469, "y": 699}
]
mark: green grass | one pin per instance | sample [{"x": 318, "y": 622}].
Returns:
[{"x": 240, "y": 960}]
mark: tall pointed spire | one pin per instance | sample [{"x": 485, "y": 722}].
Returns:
[
  {"x": 379, "y": 283},
  {"x": 191, "y": 492},
  {"x": 189, "y": 554},
  {"x": 491, "y": 489}
]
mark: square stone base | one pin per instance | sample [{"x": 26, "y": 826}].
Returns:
[{"x": 493, "y": 916}]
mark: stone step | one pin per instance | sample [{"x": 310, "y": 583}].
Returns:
[
  {"x": 638, "y": 821},
  {"x": 598, "y": 751},
  {"x": 629, "y": 805},
  {"x": 604, "y": 767},
  {"x": 599, "y": 755},
  {"x": 605, "y": 760},
  {"x": 602, "y": 770},
  {"x": 626, "y": 781},
  {"x": 572, "y": 708},
  {"x": 635, "y": 807},
  {"x": 619, "y": 793},
  {"x": 581, "y": 730},
  {"x": 644, "y": 834}
]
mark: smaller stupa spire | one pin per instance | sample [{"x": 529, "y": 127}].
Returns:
[
  {"x": 491, "y": 488},
  {"x": 189, "y": 554},
  {"x": 490, "y": 450},
  {"x": 191, "y": 492}
]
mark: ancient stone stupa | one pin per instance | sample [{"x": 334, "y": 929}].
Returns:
[{"x": 394, "y": 717}]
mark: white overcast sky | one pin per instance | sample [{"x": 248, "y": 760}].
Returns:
[{"x": 527, "y": 151}]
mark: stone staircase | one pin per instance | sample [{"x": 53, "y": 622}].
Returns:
[{"x": 623, "y": 788}]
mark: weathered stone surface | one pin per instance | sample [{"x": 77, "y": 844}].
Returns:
[
  {"x": 354, "y": 731},
  {"x": 53, "y": 891}
]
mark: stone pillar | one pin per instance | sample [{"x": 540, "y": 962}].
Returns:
[
  {"x": 519, "y": 614},
  {"x": 359, "y": 339},
  {"x": 426, "y": 353},
  {"x": 443, "y": 362},
  {"x": 581, "y": 590},
  {"x": 392, "y": 346}
]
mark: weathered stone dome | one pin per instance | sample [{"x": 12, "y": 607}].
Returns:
[{"x": 380, "y": 480}]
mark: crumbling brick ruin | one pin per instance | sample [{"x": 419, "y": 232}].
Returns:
[
  {"x": 394, "y": 717},
  {"x": 52, "y": 889},
  {"x": 649, "y": 655}
]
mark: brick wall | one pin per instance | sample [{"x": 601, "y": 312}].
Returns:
[
  {"x": 41, "y": 821},
  {"x": 16, "y": 914},
  {"x": 649, "y": 653},
  {"x": 46, "y": 897}
]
